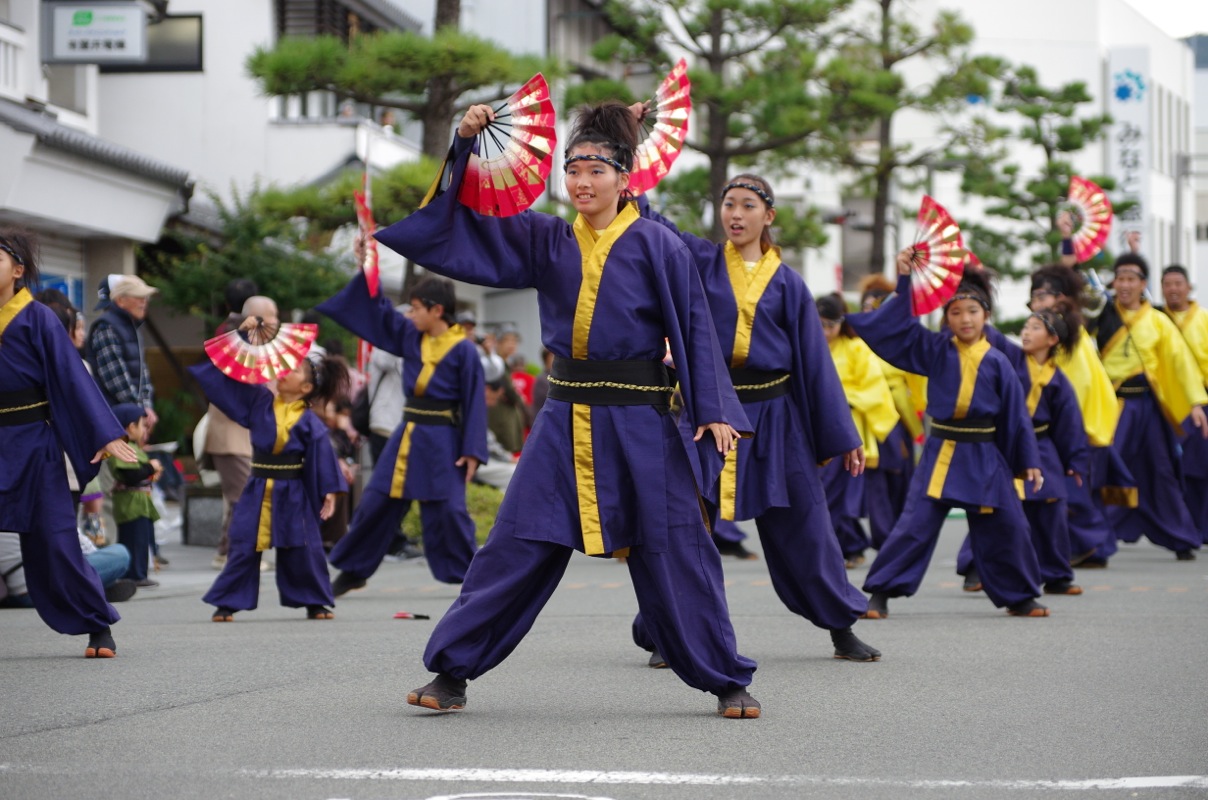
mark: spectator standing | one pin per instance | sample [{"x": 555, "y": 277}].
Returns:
[{"x": 115, "y": 346}]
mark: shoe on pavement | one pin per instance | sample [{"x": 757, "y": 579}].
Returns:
[
  {"x": 849, "y": 647},
  {"x": 973, "y": 582},
  {"x": 1062, "y": 587},
  {"x": 146, "y": 583},
  {"x": 101, "y": 645},
  {"x": 1028, "y": 608},
  {"x": 319, "y": 612},
  {"x": 738, "y": 704},
  {"x": 656, "y": 660},
  {"x": 444, "y": 693},
  {"x": 1185, "y": 555},
  {"x": 223, "y": 614},
  {"x": 878, "y": 607},
  {"x": 120, "y": 590},
  {"x": 160, "y": 561},
  {"x": 735, "y": 549},
  {"x": 345, "y": 582}
]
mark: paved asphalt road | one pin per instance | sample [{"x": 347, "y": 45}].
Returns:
[{"x": 1108, "y": 697}]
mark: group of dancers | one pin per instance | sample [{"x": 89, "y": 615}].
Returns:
[{"x": 772, "y": 406}]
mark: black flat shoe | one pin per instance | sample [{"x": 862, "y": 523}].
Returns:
[
  {"x": 973, "y": 581},
  {"x": 656, "y": 661},
  {"x": 319, "y": 612},
  {"x": 878, "y": 607},
  {"x": 101, "y": 645},
  {"x": 346, "y": 582},
  {"x": 738, "y": 704},
  {"x": 849, "y": 647},
  {"x": 444, "y": 693},
  {"x": 1028, "y": 608}
]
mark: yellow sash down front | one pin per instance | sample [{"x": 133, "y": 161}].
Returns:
[
  {"x": 1094, "y": 390},
  {"x": 432, "y": 349},
  {"x": 971, "y": 356},
  {"x": 594, "y": 249},
  {"x": 287, "y": 415},
  {"x": 1041, "y": 375},
  {"x": 749, "y": 286},
  {"x": 1192, "y": 322}
]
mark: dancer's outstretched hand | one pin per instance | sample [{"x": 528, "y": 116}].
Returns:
[{"x": 119, "y": 449}]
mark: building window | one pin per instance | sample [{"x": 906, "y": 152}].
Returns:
[
  {"x": 67, "y": 87},
  {"x": 174, "y": 44}
]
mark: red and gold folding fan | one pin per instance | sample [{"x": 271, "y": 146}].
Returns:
[
  {"x": 1092, "y": 218},
  {"x": 670, "y": 108},
  {"x": 514, "y": 155},
  {"x": 938, "y": 260},
  {"x": 365, "y": 219},
  {"x": 268, "y": 351}
]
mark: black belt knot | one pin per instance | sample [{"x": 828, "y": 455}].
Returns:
[
  {"x": 23, "y": 407},
  {"x": 430, "y": 411},
  {"x": 279, "y": 466},
  {"x": 758, "y": 384},
  {"x": 1135, "y": 386},
  {"x": 611, "y": 383},
  {"x": 971, "y": 429}
]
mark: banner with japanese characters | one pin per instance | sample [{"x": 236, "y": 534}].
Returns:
[{"x": 1129, "y": 141}]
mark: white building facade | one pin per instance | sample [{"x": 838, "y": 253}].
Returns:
[{"x": 90, "y": 200}]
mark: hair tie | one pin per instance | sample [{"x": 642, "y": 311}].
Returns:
[
  {"x": 763, "y": 195},
  {"x": 6, "y": 247},
  {"x": 316, "y": 369},
  {"x": 1053, "y": 322},
  {"x": 1135, "y": 270},
  {"x": 612, "y": 162}
]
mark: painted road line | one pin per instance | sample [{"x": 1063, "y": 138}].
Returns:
[{"x": 602, "y": 777}]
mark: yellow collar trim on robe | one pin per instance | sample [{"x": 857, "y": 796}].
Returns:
[
  {"x": 971, "y": 356},
  {"x": 432, "y": 349},
  {"x": 1040, "y": 374},
  {"x": 749, "y": 286},
  {"x": 13, "y": 307},
  {"x": 287, "y": 415},
  {"x": 594, "y": 249},
  {"x": 1167, "y": 362}
]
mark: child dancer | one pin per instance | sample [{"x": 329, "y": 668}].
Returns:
[
  {"x": 1108, "y": 480},
  {"x": 780, "y": 364},
  {"x": 604, "y": 470},
  {"x": 440, "y": 443},
  {"x": 981, "y": 437},
  {"x": 293, "y": 483},
  {"x": 1060, "y": 437},
  {"x": 133, "y": 510},
  {"x": 49, "y": 405},
  {"x": 873, "y": 412}
]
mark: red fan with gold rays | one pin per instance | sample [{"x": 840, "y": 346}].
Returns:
[
  {"x": 269, "y": 350},
  {"x": 514, "y": 154},
  {"x": 656, "y": 153},
  {"x": 1092, "y": 218},
  {"x": 938, "y": 260}
]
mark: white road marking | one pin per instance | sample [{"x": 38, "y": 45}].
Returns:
[{"x": 600, "y": 777}]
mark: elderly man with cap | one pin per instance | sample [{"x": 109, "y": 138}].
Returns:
[
  {"x": 115, "y": 345},
  {"x": 1156, "y": 377}
]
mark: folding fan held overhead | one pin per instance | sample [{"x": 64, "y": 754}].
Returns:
[
  {"x": 670, "y": 108},
  {"x": 269, "y": 351},
  {"x": 365, "y": 220},
  {"x": 1092, "y": 218},
  {"x": 938, "y": 260},
  {"x": 515, "y": 154}
]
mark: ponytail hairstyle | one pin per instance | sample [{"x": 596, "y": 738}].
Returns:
[
  {"x": 976, "y": 284},
  {"x": 22, "y": 248},
  {"x": 612, "y": 128},
  {"x": 329, "y": 379},
  {"x": 1063, "y": 321},
  {"x": 763, "y": 189},
  {"x": 833, "y": 308},
  {"x": 433, "y": 291}
]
